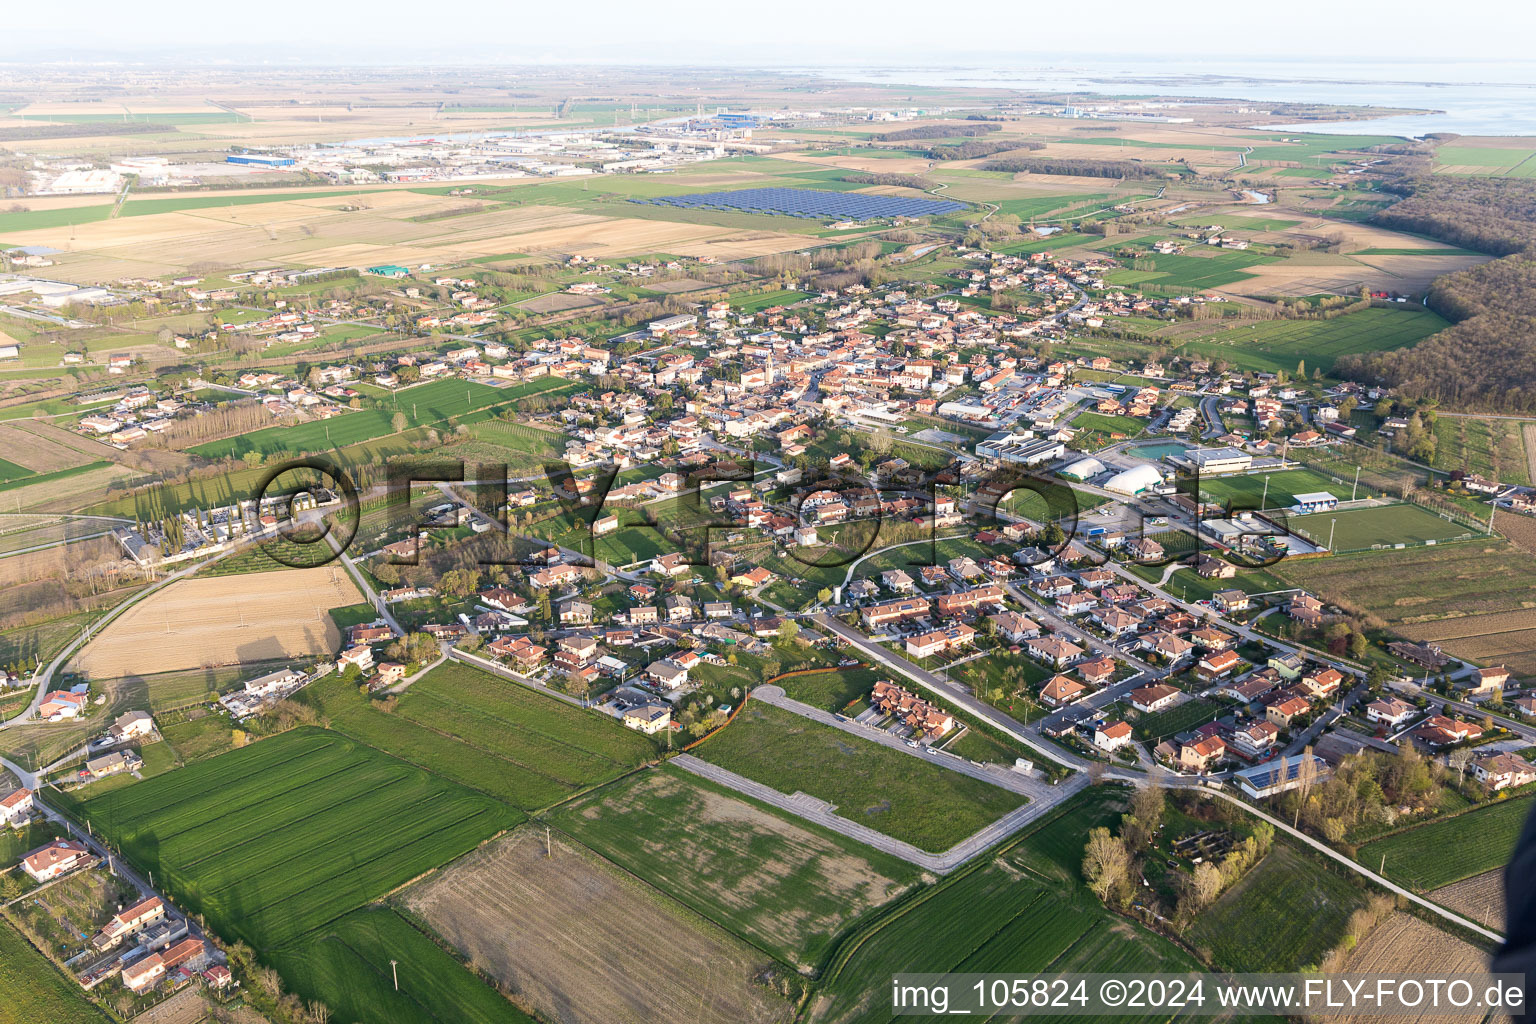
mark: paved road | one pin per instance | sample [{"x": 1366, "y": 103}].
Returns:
[{"x": 824, "y": 814}]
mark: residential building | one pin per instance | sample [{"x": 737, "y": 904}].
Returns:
[
  {"x": 648, "y": 718},
  {"x": 49, "y": 862},
  {"x": 1154, "y": 697},
  {"x": 1278, "y": 776},
  {"x": 1390, "y": 710},
  {"x": 1503, "y": 771},
  {"x": 1111, "y": 735}
]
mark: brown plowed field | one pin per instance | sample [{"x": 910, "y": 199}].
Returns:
[
  {"x": 223, "y": 620},
  {"x": 586, "y": 944}
]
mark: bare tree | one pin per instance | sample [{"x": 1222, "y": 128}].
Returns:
[{"x": 1106, "y": 864}]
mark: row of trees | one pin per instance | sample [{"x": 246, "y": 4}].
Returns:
[{"x": 1080, "y": 167}]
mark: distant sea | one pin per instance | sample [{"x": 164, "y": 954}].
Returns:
[{"x": 1492, "y": 98}]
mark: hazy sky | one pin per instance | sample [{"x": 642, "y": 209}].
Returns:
[{"x": 795, "y": 32}]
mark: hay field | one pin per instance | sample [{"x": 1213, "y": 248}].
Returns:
[
  {"x": 223, "y": 620},
  {"x": 1403, "y": 944},
  {"x": 1480, "y": 897},
  {"x": 584, "y": 944},
  {"x": 37, "y": 447}
]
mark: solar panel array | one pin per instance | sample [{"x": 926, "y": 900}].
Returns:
[{"x": 806, "y": 202}]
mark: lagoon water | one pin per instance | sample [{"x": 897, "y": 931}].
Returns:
[{"x": 1476, "y": 98}]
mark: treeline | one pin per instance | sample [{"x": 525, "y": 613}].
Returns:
[
  {"x": 1078, "y": 167},
  {"x": 977, "y": 150},
  {"x": 936, "y": 131},
  {"x": 1493, "y": 215},
  {"x": 1487, "y": 360},
  {"x": 897, "y": 180},
  {"x": 75, "y": 131}
]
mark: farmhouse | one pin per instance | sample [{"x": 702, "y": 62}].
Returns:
[
  {"x": 1202, "y": 755},
  {"x": 144, "y": 973},
  {"x": 16, "y": 807},
  {"x": 1052, "y": 650},
  {"x": 1503, "y": 771},
  {"x": 49, "y": 862},
  {"x": 1486, "y": 680},
  {"x": 1154, "y": 697},
  {"x": 648, "y": 718},
  {"x": 1111, "y": 736},
  {"x": 1389, "y": 710},
  {"x": 1255, "y": 739},
  {"x": 1059, "y": 690},
  {"x": 1440, "y": 731},
  {"x": 129, "y": 922}
]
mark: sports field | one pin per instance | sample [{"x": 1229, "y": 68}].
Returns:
[
  {"x": 1364, "y": 528},
  {"x": 223, "y": 620},
  {"x": 1483, "y": 839},
  {"x": 783, "y": 884},
  {"x": 490, "y": 734},
  {"x": 274, "y": 840},
  {"x": 1277, "y": 489},
  {"x": 902, "y": 796}
]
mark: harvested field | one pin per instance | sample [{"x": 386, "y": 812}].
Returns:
[
  {"x": 571, "y": 935},
  {"x": 39, "y": 453},
  {"x": 222, "y": 620},
  {"x": 1403, "y": 944},
  {"x": 1480, "y": 897},
  {"x": 786, "y": 886}
]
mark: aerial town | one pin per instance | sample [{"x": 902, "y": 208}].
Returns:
[{"x": 481, "y": 551}]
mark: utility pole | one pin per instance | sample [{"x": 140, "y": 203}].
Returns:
[
  {"x": 1491, "y": 510},
  {"x": 549, "y": 848},
  {"x": 395, "y": 973},
  {"x": 1331, "y": 524},
  {"x": 1265, "y": 498},
  {"x": 1355, "y": 488}
]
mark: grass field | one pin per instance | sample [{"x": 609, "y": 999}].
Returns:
[
  {"x": 198, "y": 738},
  {"x": 833, "y": 689},
  {"x": 422, "y": 406},
  {"x": 1026, "y": 910},
  {"x": 490, "y": 734},
  {"x": 783, "y": 884},
  {"x": 32, "y": 989},
  {"x": 1275, "y": 346},
  {"x": 346, "y": 964},
  {"x": 1193, "y": 273},
  {"x": 275, "y": 840},
  {"x": 1180, "y": 718},
  {"x": 1284, "y": 915},
  {"x": 1363, "y": 528},
  {"x": 1483, "y": 839},
  {"x": 901, "y": 796}
]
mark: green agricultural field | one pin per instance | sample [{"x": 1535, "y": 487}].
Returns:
[
  {"x": 199, "y": 738},
  {"x": 421, "y": 406},
  {"x": 1276, "y": 490},
  {"x": 1492, "y": 161},
  {"x": 1366, "y": 528},
  {"x": 493, "y": 735},
  {"x": 758, "y": 303},
  {"x": 274, "y": 840},
  {"x": 1192, "y": 273},
  {"x": 1024, "y": 910},
  {"x": 1286, "y": 914},
  {"x": 33, "y": 990},
  {"x": 10, "y": 472},
  {"x": 833, "y": 689},
  {"x": 709, "y": 848},
  {"x": 890, "y": 791},
  {"x": 1279, "y": 346},
  {"x": 1482, "y": 840},
  {"x": 346, "y": 965}
]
